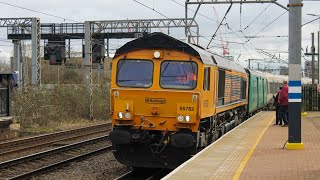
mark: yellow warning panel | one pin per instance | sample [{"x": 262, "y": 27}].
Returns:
[{"x": 295, "y": 146}]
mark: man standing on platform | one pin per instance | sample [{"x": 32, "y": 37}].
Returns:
[
  {"x": 283, "y": 103},
  {"x": 276, "y": 104}
]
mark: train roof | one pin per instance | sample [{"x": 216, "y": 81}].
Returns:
[
  {"x": 256, "y": 73},
  {"x": 280, "y": 78},
  {"x": 209, "y": 58},
  {"x": 276, "y": 78},
  {"x": 159, "y": 40}
]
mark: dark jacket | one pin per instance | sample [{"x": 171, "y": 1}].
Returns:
[{"x": 275, "y": 100}]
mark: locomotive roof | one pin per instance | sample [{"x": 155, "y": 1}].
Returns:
[{"x": 159, "y": 40}]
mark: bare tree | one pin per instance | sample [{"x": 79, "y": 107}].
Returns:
[{"x": 4, "y": 67}]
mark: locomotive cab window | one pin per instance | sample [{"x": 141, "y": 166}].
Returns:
[
  {"x": 134, "y": 73},
  {"x": 178, "y": 74},
  {"x": 206, "y": 79}
]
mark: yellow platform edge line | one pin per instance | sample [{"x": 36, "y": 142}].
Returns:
[
  {"x": 294, "y": 146},
  {"x": 249, "y": 154}
]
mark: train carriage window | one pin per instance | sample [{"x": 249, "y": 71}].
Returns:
[
  {"x": 274, "y": 88},
  {"x": 134, "y": 73},
  {"x": 206, "y": 79},
  {"x": 178, "y": 74},
  {"x": 221, "y": 87}
]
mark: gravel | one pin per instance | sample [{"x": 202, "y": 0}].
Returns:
[{"x": 103, "y": 166}]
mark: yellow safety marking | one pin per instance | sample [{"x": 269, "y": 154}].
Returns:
[
  {"x": 295, "y": 146},
  {"x": 248, "y": 155},
  {"x": 304, "y": 114}
]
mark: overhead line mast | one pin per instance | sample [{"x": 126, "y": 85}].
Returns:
[{"x": 201, "y": 2}]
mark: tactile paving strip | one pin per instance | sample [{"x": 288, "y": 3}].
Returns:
[{"x": 223, "y": 159}]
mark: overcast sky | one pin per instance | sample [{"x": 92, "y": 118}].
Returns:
[{"x": 129, "y": 9}]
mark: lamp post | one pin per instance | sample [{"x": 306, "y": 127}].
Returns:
[{"x": 318, "y": 46}]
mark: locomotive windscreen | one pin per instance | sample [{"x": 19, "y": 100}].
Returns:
[
  {"x": 178, "y": 74},
  {"x": 134, "y": 73}
]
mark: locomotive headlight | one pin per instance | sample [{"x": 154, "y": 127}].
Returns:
[
  {"x": 127, "y": 115},
  {"x": 180, "y": 118},
  {"x": 157, "y": 54},
  {"x": 120, "y": 115},
  {"x": 188, "y": 118}
]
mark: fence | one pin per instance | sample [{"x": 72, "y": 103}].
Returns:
[{"x": 310, "y": 98}]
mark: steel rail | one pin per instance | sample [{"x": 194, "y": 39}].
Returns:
[
  {"x": 46, "y": 143},
  {"x": 144, "y": 173},
  {"x": 19, "y": 142},
  {"x": 127, "y": 174},
  {"x": 60, "y": 164},
  {"x": 35, "y": 156}
]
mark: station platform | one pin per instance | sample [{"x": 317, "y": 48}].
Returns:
[{"x": 255, "y": 150}]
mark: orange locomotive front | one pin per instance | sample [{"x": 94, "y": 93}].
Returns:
[{"x": 162, "y": 103}]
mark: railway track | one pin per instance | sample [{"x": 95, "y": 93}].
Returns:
[
  {"x": 22, "y": 145},
  {"x": 144, "y": 173},
  {"x": 31, "y": 165}
]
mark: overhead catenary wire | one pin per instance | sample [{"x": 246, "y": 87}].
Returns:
[
  {"x": 28, "y": 9},
  {"x": 151, "y": 9},
  {"x": 310, "y": 21},
  {"x": 195, "y": 11},
  {"x": 225, "y": 15},
  {"x": 169, "y": 18},
  {"x": 255, "y": 48},
  {"x": 243, "y": 44},
  {"x": 256, "y": 17},
  {"x": 268, "y": 24},
  {"x": 158, "y": 13}
]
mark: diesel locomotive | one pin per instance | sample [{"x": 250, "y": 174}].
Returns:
[{"x": 170, "y": 99}]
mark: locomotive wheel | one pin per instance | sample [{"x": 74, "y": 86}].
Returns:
[
  {"x": 222, "y": 131},
  {"x": 237, "y": 120},
  {"x": 214, "y": 135}
]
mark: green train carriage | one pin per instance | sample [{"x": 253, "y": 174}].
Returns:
[{"x": 258, "y": 91}]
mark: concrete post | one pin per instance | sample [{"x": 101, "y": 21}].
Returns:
[
  {"x": 36, "y": 63},
  {"x": 186, "y": 17},
  {"x": 17, "y": 60},
  {"x": 88, "y": 67},
  {"x": 108, "y": 55},
  {"x": 319, "y": 55},
  {"x": 313, "y": 50},
  {"x": 294, "y": 140}
]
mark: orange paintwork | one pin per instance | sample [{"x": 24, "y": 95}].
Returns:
[{"x": 155, "y": 108}]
